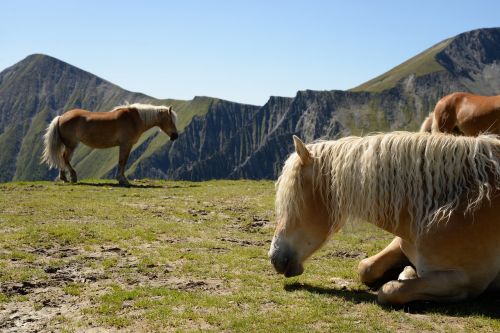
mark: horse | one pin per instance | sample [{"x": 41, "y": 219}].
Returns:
[
  {"x": 464, "y": 113},
  {"x": 121, "y": 127},
  {"x": 438, "y": 194}
]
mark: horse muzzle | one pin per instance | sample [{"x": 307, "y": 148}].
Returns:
[
  {"x": 174, "y": 136},
  {"x": 285, "y": 261}
]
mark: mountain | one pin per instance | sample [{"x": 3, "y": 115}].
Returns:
[
  {"x": 35, "y": 90},
  {"x": 222, "y": 139},
  {"x": 397, "y": 100}
]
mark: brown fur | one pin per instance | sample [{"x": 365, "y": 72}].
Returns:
[{"x": 465, "y": 113}]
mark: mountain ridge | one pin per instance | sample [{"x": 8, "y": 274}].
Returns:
[{"x": 224, "y": 139}]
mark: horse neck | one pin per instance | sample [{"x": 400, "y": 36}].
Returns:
[
  {"x": 401, "y": 228},
  {"x": 149, "y": 119}
]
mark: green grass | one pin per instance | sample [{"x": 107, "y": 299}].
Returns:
[
  {"x": 183, "y": 256},
  {"x": 421, "y": 64}
]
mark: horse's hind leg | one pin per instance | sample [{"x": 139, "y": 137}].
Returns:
[
  {"x": 440, "y": 286},
  {"x": 62, "y": 175},
  {"x": 445, "y": 118},
  {"x": 122, "y": 162},
  {"x": 68, "y": 152},
  {"x": 383, "y": 266}
]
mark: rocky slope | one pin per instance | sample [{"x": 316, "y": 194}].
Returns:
[
  {"x": 222, "y": 139},
  {"x": 397, "y": 100}
]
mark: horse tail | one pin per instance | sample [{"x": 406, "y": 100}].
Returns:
[{"x": 53, "y": 146}]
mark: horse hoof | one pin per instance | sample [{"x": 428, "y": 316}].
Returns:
[{"x": 123, "y": 182}]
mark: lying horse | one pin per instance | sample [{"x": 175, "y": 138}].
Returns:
[
  {"x": 439, "y": 194},
  {"x": 463, "y": 113},
  {"x": 120, "y": 127}
]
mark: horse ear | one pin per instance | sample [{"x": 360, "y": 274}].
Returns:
[{"x": 302, "y": 151}]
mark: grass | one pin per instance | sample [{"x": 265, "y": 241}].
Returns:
[{"x": 183, "y": 256}]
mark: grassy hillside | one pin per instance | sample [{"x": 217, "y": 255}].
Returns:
[
  {"x": 181, "y": 256},
  {"x": 423, "y": 63}
]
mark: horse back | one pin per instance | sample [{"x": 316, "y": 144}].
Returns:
[{"x": 100, "y": 129}]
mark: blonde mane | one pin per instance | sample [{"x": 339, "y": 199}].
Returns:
[
  {"x": 373, "y": 178},
  {"x": 148, "y": 112}
]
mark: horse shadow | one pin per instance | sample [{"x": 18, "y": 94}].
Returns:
[
  {"x": 131, "y": 185},
  {"x": 134, "y": 185},
  {"x": 485, "y": 305}
]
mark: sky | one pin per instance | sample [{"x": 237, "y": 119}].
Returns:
[{"x": 239, "y": 50}]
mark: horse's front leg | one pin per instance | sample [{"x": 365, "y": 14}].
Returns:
[
  {"x": 122, "y": 162},
  {"x": 439, "y": 286},
  {"x": 383, "y": 266}
]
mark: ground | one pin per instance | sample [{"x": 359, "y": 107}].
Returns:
[{"x": 182, "y": 256}]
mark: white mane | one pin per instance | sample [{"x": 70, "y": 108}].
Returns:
[
  {"x": 373, "y": 178},
  {"x": 148, "y": 112}
]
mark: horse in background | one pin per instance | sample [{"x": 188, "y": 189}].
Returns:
[
  {"x": 438, "y": 194},
  {"x": 464, "y": 113},
  {"x": 121, "y": 127}
]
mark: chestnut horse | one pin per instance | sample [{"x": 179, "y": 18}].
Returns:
[
  {"x": 120, "y": 127},
  {"x": 464, "y": 113},
  {"x": 439, "y": 194}
]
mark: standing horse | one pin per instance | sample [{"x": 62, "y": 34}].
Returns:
[
  {"x": 463, "y": 113},
  {"x": 439, "y": 194},
  {"x": 120, "y": 127}
]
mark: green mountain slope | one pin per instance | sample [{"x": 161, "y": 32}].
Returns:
[{"x": 422, "y": 64}]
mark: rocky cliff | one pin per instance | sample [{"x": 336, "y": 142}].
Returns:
[{"x": 221, "y": 139}]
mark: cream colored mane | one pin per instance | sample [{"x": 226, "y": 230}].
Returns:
[
  {"x": 373, "y": 178},
  {"x": 148, "y": 112}
]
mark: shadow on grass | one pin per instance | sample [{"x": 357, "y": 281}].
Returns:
[
  {"x": 354, "y": 296},
  {"x": 131, "y": 185},
  {"x": 487, "y": 305}
]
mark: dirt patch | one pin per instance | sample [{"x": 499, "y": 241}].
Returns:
[
  {"x": 45, "y": 304},
  {"x": 346, "y": 254},
  {"x": 242, "y": 242}
]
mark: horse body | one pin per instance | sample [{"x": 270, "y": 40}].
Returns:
[
  {"x": 466, "y": 113},
  {"x": 101, "y": 129},
  {"x": 120, "y": 127},
  {"x": 438, "y": 194}
]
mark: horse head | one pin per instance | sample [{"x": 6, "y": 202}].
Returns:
[
  {"x": 302, "y": 219},
  {"x": 167, "y": 122}
]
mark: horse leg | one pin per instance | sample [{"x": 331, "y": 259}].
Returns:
[
  {"x": 384, "y": 265},
  {"x": 440, "y": 286},
  {"x": 122, "y": 162},
  {"x": 62, "y": 175},
  {"x": 68, "y": 152}
]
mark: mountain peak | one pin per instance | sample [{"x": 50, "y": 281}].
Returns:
[{"x": 459, "y": 55}]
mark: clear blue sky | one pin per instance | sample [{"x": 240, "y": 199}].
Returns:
[{"x": 244, "y": 50}]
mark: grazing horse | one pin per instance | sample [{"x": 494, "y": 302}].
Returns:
[
  {"x": 120, "y": 127},
  {"x": 439, "y": 194},
  {"x": 464, "y": 113}
]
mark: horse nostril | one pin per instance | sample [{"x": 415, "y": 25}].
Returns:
[{"x": 174, "y": 136}]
